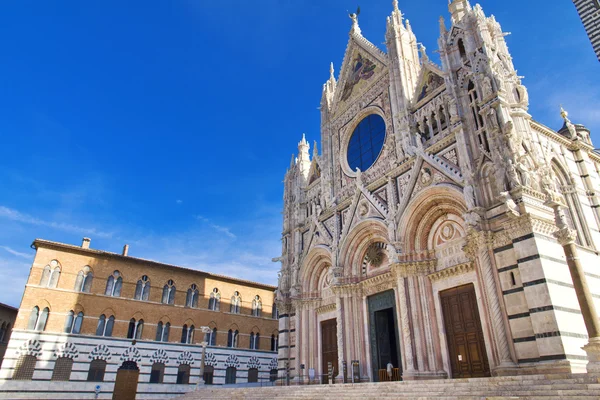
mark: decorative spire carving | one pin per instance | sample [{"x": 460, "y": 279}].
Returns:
[
  {"x": 354, "y": 17},
  {"x": 565, "y": 115}
]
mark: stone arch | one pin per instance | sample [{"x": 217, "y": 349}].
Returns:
[
  {"x": 138, "y": 316},
  {"x": 189, "y": 322},
  {"x": 108, "y": 312},
  {"x": 164, "y": 319},
  {"x": 255, "y": 329},
  {"x": 424, "y": 211},
  {"x": 316, "y": 261},
  {"x": 354, "y": 247}
]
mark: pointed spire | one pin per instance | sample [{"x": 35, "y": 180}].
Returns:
[
  {"x": 315, "y": 150},
  {"x": 443, "y": 30},
  {"x": 331, "y": 72},
  {"x": 395, "y": 4},
  {"x": 423, "y": 50},
  {"x": 303, "y": 156},
  {"x": 292, "y": 161}
]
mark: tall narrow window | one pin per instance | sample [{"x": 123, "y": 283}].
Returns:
[
  {"x": 274, "y": 312},
  {"x": 69, "y": 322},
  {"x": 114, "y": 283},
  {"x": 162, "y": 332},
  {"x": 190, "y": 335},
  {"x": 461, "y": 50},
  {"x": 168, "y": 296},
  {"x": 191, "y": 299},
  {"x": 78, "y": 322},
  {"x": 230, "y": 338},
  {"x": 140, "y": 327},
  {"x": 96, "y": 372},
  {"x": 236, "y": 303},
  {"x": 142, "y": 288},
  {"x": 33, "y": 317},
  {"x": 442, "y": 116},
  {"x": 83, "y": 282},
  {"x": 42, "y": 319},
  {"x": 135, "y": 329},
  {"x": 109, "y": 326},
  {"x": 254, "y": 341},
  {"x": 131, "y": 329},
  {"x": 50, "y": 275},
  {"x": 274, "y": 339},
  {"x": 257, "y": 306},
  {"x": 101, "y": 325},
  {"x": 211, "y": 337},
  {"x": 214, "y": 302}
]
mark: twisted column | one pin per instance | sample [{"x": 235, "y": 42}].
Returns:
[{"x": 478, "y": 248}]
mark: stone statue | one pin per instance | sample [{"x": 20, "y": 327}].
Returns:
[
  {"x": 469, "y": 194},
  {"x": 492, "y": 118},
  {"x": 486, "y": 87},
  {"x": 511, "y": 173}
]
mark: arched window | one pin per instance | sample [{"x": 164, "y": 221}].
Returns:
[
  {"x": 33, "y": 317},
  {"x": 191, "y": 299},
  {"x": 461, "y": 50},
  {"x": 257, "y": 306},
  {"x": 50, "y": 275},
  {"x": 254, "y": 341},
  {"x": 253, "y": 375},
  {"x": 96, "y": 372},
  {"x": 168, "y": 296},
  {"x": 114, "y": 283},
  {"x": 41, "y": 322},
  {"x": 232, "y": 338},
  {"x": 83, "y": 282},
  {"x": 214, "y": 302},
  {"x": 135, "y": 329},
  {"x": 442, "y": 116},
  {"x": 72, "y": 323},
  {"x": 209, "y": 372},
  {"x": 62, "y": 369},
  {"x": 142, "y": 288},
  {"x": 105, "y": 327},
  {"x": 274, "y": 312},
  {"x": 211, "y": 337},
  {"x": 236, "y": 303},
  {"x": 157, "y": 373},
  {"x": 162, "y": 332},
  {"x": 187, "y": 334},
  {"x": 24, "y": 368},
  {"x": 183, "y": 374},
  {"x": 274, "y": 340},
  {"x": 434, "y": 125},
  {"x": 230, "y": 374}
]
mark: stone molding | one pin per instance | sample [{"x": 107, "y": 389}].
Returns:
[
  {"x": 413, "y": 268},
  {"x": 326, "y": 308},
  {"x": 452, "y": 271}
]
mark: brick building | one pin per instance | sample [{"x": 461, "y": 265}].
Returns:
[
  {"x": 87, "y": 314},
  {"x": 8, "y": 315}
]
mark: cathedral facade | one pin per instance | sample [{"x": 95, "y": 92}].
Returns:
[{"x": 440, "y": 228}]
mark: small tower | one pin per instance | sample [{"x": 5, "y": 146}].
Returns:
[{"x": 303, "y": 157}]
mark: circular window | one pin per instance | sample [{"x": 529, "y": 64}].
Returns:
[{"x": 366, "y": 142}]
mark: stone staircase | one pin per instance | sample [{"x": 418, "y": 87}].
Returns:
[{"x": 563, "y": 386}]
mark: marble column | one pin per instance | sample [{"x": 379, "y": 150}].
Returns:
[
  {"x": 339, "y": 304},
  {"x": 404, "y": 328}
]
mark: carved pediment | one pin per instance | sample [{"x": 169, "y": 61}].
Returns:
[{"x": 430, "y": 82}]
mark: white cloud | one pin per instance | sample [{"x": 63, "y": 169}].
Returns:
[
  {"x": 16, "y": 253},
  {"x": 219, "y": 228},
  {"x": 179, "y": 201},
  {"x": 17, "y": 216}
]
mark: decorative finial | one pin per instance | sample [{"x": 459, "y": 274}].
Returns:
[
  {"x": 354, "y": 18},
  {"x": 563, "y": 113},
  {"x": 423, "y": 50},
  {"x": 315, "y": 150},
  {"x": 292, "y": 161},
  {"x": 331, "y": 71},
  {"x": 408, "y": 27},
  {"x": 442, "y": 25},
  {"x": 395, "y": 3}
]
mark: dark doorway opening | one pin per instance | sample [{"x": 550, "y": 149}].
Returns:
[
  {"x": 126, "y": 381},
  {"x": 330, "y": 349},
  {"x": 386, "y": 338},
  {"x": 383, "y": 336}
]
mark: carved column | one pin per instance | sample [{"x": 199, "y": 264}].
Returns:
[
  {"x": 340, "y": 333},
  {"x": 478, "y": 249},
  {"x": 405, "y": 327}
]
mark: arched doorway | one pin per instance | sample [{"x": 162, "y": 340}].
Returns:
[{"x": 127, "y": 381}]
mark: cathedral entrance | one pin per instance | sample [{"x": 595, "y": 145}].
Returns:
[
  {"x": 127, "y": 381},
  {"x": 466, "y": 344},
  {"x": 383, "y": 335},
  {"x": 329, "y": 348}
]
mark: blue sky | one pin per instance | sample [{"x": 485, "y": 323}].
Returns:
[{"x": 169, "y": 125}]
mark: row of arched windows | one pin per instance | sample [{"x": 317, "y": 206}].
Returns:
[
  {"x": 73, "y": 323},
  {"x": 114, "y": 285},
  {"x": 63, "y": 366}
]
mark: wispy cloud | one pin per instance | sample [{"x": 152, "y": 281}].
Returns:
[
  {"x": 179, "y": 201},
  {"x": 16, "y": 253},
  {"x": 17, "y": 216},
  {"x": 223, "y": 229}
]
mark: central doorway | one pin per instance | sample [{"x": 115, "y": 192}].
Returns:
[
  {"x": 126, "y": 381},
  {"x": 383, "y": 331},
  {"x": 330, "y": 349},
  {"x": 466, "y": 345}
]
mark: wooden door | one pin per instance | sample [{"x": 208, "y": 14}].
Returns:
[
  {"x": 466, "y": 344},
  {"x": 329, "y": 347},
  {"x": 126, "y": 381}
]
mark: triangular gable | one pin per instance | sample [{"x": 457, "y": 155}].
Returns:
[
  {"x": 363, "y": 63},
  {"x": 430, "y": 81}
]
